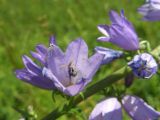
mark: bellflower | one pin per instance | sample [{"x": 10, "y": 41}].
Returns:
[
  {"x": 135, "y": 107},
  {"x": 121, "y": 32},
  {"x": 143, "y": 65},
  {"x": 150, "y": 10},
  {"x": 69, "y": 72},
  {"x": 109, "y": 54}
]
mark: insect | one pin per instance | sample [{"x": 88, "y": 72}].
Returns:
[
  {"x": 72, "y": 70},
  {"x": 74, "y": 74}
]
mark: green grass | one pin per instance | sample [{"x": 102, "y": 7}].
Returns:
[{"x": 23, "y": 24}]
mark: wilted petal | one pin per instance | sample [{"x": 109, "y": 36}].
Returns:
[
  {"x": 144, "y": 9},
  {"x": 138, "y": 109},
  {"x": 109, "y": 109},
  {"x": 109, "y": 54},
  {"x": 38, "y": 81}
]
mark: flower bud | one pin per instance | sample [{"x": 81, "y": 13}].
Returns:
[{"x": 143, "y": 65}]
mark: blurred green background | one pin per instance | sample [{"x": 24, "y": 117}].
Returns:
[{"x": 23, "y": 24}]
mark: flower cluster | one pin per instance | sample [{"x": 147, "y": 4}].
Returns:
[{"x": 71, "y": 71}]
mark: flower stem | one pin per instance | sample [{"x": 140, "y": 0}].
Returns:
[{"x": 93, "y": 89}]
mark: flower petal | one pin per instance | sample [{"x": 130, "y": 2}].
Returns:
[
  {"x": 109, "y": 54},
  {"x": 121, "y": 32},
  {"x": 38, "y": 57},
  {"x": 38, "y": 81},
  {"x": 57, "y": 64},
  {"x": 71, "y": 90},
  {"x": 31, "y": 66},
  {"x": 41, "y": 49},
  {"x": 115, "y": 18},
  {"x": 150, "y": 10},
  {"x": 138, "y": 109},
  {"x": 109, "y": 109},
  {"x": 103, "y": 39},
  {"x": 74, "y": 89},
  {"x": 124, "y": 37},
  {"x": 104, "y": 29},
  {"x": 48, "y": 73},
  {"x": 52, "y": 40},
  {"x": 92, "y": 65},
  {"x": 77, "y": 52},
  {"x": 152, "y": 16}
]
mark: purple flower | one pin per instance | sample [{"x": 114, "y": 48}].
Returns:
[
  {"x": 121, "y": 32},
  {"x": 143, "y": 65},
  {"x": 150, "y": 10},
  {"x": 69, "y": 72},
  {"x": 136, "y": 108},
  {"x": 109, "y": 54}
]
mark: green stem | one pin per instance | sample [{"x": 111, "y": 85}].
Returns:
[{"x": 98, "y": 86}]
